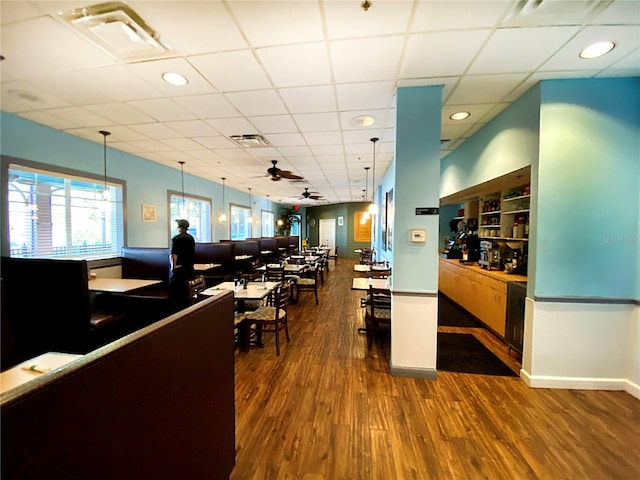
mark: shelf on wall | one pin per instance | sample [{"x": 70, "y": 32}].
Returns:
[
  {"x": 520, "y": 197},
  {"x": 511, "y": 212}
]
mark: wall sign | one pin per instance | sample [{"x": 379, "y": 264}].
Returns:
[
  {"x": 418, "y": 235},
  {"x": 427, "y": 211}
]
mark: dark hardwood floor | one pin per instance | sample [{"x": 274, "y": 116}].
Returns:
[{"x": 328, "y": 409}]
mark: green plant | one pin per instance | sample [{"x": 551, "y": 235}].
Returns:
[{"x": 286, "y": 219}]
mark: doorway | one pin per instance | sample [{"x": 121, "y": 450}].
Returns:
[{"x": 327, "y": 233}]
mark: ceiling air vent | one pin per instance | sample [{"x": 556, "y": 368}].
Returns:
[
  {"x": 118, "y": 29},
  {"x": 554, "y": 12},
  {"x": 251, "y": 140}
]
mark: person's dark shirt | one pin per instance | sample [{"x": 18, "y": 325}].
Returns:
[{"x": 183, "y": 246}]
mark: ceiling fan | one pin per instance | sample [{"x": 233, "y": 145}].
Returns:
[
  {"x": 277, "y": 174},
  {"x": 309, "y": 195}
]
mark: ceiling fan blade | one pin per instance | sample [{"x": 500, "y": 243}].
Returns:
[{"x": 290, "y": 175}]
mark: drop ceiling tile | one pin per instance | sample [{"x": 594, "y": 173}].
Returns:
[
  {"x": 205, "y": 155},
  {"x": 193, "y": 128},
  {"x": 79, "y": 117},
  {"x": 296, "y": 65},
  {"x": 208, "y": 106},
  {"x": 21, "y": 96},
  {"x": 626, "y": 38},
  {"x": 215, "y": 142},
  {"x": 118, "y": 134},
  {"x": 45, "y": 118},
  {"x": 319, "y": 150},
  {"x": 185, "y": 24},
  {"x": 155, "y": 130},
  {"x": 286, "y": 140},
  {"x": 511, "y": 49},
  {"x": 276, "y": 23},
  {"x": 458, "y": 15},
  {"x": 294, "y": 151},
  {"x": 231, "y": 71},
  {"x": 152, "y": 72},
  {"x": 323, "y": 138},
  {"x": 364, "y": 96},
  {"x": 149, "y": 146},
  {"x": 232, "y": 126},
  {"x": 348, "y": 19},
  {"x": 620, "y": 13},
  {"x": 257, "y": 103},
  {"x": 358, "y": 136},
  {"x": 441, "y": 54},
  {"x": 163, "y": 109},
  {"x": 317, "y": 122},
  {"x": 366, "y": 59},
  {"x": 120, "y": 113},
  {"x": 109, "y": 80},
  {"x": 485, "y": 88},
  {"x": 309, "y": 99},
  {"x": 274, "y": 124},
  {"x": 182, "y": 144}
]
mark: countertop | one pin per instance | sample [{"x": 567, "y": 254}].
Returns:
[{"x": 495, "y": 274}]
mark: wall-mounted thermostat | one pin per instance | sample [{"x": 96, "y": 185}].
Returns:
[{"x": 417, "y": 235}]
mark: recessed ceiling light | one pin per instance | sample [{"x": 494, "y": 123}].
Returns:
[
  {"x": 174, "y": 79},
  {"x": 363, "y": 121},
  {"x": 597, "y": 49},
  {"x": 460, "y": 116}
]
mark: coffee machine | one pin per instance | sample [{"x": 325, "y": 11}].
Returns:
[{"x": 490, "y": 255}]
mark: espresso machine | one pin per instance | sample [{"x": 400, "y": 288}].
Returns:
[{"x": 490, "y": 255}]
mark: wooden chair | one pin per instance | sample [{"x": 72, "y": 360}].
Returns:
[
  {"x": 377, "y": 313},
  {"x": 366, "y": 256},
  {"x": 379, "y": 272},
  {"x": 272, "y": 318},
  {"x": 309, "y": 281},
  {"x": 335, "y": 255},
  {"x": 196, "y": 285}
]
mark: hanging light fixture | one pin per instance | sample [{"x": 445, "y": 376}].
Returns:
[
  {"x": 373, "y": 208},
  {"x": 105, "y": 193},
  {"x": 182, "y": 211},
  {"x": 365, "y": 217},
  {"x": 222, "y": 217}
]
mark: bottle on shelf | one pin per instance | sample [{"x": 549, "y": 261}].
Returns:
[
  {"x": 515, "y": 228},
  {"x": 520, "y": 228},
  {"x": 526, "y": 229}
]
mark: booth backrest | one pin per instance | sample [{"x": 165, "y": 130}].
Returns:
[
  {"x": 294, "y": 243},
  {"x": 150, "y": 263},
  {"x": 283, "y": 242},
  {"x": 47, "y": 305},
  {"x": 156, "y": 404},
  {"x": 247, "y": 247},
  {"x": 222, "y": 253},
  {"x": 268, "y": 243}
]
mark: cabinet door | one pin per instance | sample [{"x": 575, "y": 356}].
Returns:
[{"x": 495, "y": 309}]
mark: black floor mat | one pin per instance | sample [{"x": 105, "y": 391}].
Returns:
[
  {"x": 451, "y": 315},
  {"x": 463, "y": 353}
]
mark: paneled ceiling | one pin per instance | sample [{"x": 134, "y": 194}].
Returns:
[{"x": 300, "y": 73}]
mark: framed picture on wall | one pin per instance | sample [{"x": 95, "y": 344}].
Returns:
[
  {"x": 383, "y": 225},
  {"x": 148, "y": 213}
]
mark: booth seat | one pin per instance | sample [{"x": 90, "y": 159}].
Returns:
[
  {"x": 46, "y": 306},
  {"x": 155, "y": 404}
]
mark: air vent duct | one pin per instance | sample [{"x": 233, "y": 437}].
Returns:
[
  {"x": 251, "y": 140},
  {"x": 554, "y": 12}
]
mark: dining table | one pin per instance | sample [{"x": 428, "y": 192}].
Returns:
[
  {"x": 120, "y": 285},
  {"x": 367, "y": 268},
  {"x": 205, "y": 267},
  {"x": 289, "y": 267},
  {"x": 363, "y": 283}
]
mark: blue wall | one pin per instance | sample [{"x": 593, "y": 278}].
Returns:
[
  {"x": 589, "y": 186},
  {"x": 147, "y": 182}
]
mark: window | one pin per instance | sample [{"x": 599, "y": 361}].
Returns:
[
  {"x": 196, "y": 210},
  {"x": 57, "y": 215},
  {"x": 268, "y": 221},
  {"x": 240, "y": 224}
]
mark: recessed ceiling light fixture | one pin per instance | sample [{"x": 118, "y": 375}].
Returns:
[
  {"x": 597, "y": 50},
  {"x": 363, "y": 121},
  {"x": 174, "y": 78},
  {"x": 460, "y": 116}
]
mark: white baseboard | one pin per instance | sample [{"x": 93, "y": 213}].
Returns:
[{"x": 577, "y": 383}]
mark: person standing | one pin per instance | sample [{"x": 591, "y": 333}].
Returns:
[{"x": 181, "y": 260}]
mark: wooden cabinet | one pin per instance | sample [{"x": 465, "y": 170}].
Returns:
[
  {"x": 481, "y": 293},
  {"x": 501, "y": 211}
]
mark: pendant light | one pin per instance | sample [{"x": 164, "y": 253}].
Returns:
[
  {"x": 105, "y": 193},
  {"x": 373, "y": 208},
  {"x": 183, "y": 212},
  {"x": 222, "y": 217},
  {"x": 365, "y": 217}
]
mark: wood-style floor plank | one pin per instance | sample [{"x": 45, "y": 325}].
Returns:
[{"x": 326, "y": 409}]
